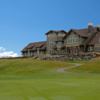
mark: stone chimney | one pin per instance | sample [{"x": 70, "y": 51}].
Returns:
[{"x": 90, "y": 27}]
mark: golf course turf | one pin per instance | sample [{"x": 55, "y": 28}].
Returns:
[{"x": 29, "y": 79}]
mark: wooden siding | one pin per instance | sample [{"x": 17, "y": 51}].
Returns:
[
  {"x": 97, "y": 47},
  {"x": 73, "y": 40}
]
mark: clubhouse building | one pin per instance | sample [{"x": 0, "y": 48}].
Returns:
[{"x": 75, "y": 42}]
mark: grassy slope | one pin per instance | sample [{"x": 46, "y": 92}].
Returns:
[
  {"x": 28, "y": 79},
  {"x": 90, "y": 66},
  {"x": 28, "y": 66}
]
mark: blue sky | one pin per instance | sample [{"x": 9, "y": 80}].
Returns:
[{"x": 25, "y": 21}]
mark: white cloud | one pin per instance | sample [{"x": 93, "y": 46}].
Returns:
[{"x": 4, "y": 53}]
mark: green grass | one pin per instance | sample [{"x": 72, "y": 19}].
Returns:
[
  {"x": 28, "y": 79},
  {"x": 92, "y": 66},
  {"x": 28, "y": 66}
]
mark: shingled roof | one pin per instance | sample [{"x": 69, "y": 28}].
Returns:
[
  {"x": 95, "y": 39},
  {"x": 34, "y": 45},
  {"x": 82, "y": 32}
]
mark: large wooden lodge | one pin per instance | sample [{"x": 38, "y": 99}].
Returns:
[{"x": 75, "y": 42}]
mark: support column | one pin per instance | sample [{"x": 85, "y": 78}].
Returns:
[
  {"x": 38, "y": 51},
  {"x": 28, "y": 53}
]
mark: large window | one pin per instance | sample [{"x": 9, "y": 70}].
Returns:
[{"x": 72, "y": 39}]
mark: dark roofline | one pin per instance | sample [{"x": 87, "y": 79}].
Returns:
[
  {"x": 78, "y": 32},
  {"x": 51, "y": 31},
  {"x": 73, "y": 30},
  {"x": 33, "y": 44}
]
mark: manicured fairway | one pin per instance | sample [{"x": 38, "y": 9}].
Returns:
[
  {"x": 41, "y": 83},
  {"x": 62, "y": 87}
]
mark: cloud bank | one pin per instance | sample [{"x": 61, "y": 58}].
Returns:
[{"x": 4, "y": 53}]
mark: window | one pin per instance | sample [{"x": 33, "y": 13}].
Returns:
[{"x": 90, "y": 48}]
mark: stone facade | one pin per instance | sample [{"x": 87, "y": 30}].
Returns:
[
  {"x": 55, "y": 42},
  {"x": 75, "y": 42}
]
